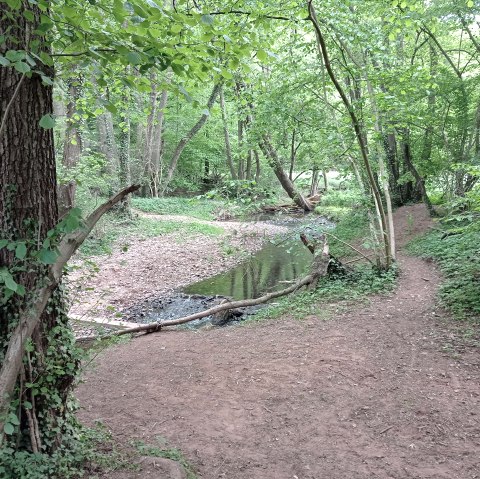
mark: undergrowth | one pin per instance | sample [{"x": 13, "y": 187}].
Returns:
[
  {"x": 330, "y": 293},
  {"x": 162, "y": 450},
  {"x": 457, "y": 255}
]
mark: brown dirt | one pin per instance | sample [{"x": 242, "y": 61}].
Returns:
[{"x": 369, "y": 394}]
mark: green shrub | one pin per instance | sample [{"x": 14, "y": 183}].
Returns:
[
  {"x": 457, "y": 256},
  {"x": 346, "y": 198}
]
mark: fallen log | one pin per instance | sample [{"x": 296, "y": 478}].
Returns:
[{"x": 154, "y": 327}]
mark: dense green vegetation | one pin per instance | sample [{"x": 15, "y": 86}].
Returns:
[
  {"x": 348, "y": 107},
  {"x": 457, "y": 254}
]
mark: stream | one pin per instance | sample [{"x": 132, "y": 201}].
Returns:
[{"x": 276, "y": 265}]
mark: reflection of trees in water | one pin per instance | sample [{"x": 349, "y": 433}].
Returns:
[{"x": 259, "y": 275}]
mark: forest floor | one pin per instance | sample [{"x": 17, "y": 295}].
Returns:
[{"x": 387, "y": 389}]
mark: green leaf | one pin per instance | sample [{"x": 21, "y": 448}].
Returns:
[
  {"x": 29, "y": 15},
  {"x": 4, "y": 61},
  {"x": 47, "y": 121},
  {"x": 3, "y": 243},
  {"x": 10, "y": 282},
  {"x": 21, "y": 67},
  {"x": 111, "y": 108},
  {"x": 13, "y": 419},
  {"x": 470, "y": 3},
  {"x": 46, "y": 80},
  {"x": 176, "y": 28},
  {"x": 207, "y": 19},
  {"x": 47, "y": 256},
  {"x": 14, "y": 4},
  {"x": 133, "y": 58},
  {"x": 21, "y": 251},
  {"x": 8, "y": 428},
  {"x": 262, "y": 55}
]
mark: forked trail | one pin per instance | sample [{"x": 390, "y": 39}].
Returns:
[{"x": 369, "y": 393}]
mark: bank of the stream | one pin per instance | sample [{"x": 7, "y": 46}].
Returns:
[{"x": 173, "y": 275}]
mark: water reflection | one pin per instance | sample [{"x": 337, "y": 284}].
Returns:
[{"x": 268, "y": 270}]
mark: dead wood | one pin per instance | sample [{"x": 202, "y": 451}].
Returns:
[{"x": 30, "y": 317}]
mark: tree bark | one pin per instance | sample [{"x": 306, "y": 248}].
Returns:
[{"x": 28, "y": 210}]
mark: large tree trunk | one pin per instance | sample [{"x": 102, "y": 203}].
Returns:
[
  {"x": 272, "y": 157},
  {"x": 28, "y": 209}
]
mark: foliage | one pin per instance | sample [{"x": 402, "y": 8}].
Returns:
[
  {"x": 167, "y": 453},
  {"x": 457, "y": 255},
  {"x": 350, "y": 198}
]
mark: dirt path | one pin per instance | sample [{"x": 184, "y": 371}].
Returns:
[{"x": 368, "y": 394}]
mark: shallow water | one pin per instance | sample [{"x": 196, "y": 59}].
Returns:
[{"x": 272, "y": 268}]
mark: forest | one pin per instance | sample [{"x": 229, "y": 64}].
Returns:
[{"x": 239, "y": 239}]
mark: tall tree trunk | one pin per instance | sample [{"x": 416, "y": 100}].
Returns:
[
  {"x": 72, "y": 148},
  {"x": 28, "y": 210},
  {"x": 241, "y": 161},
  {"x": 257, "y": 166},
  {"x": 228, "y": 146},
  {"x": 293, "y": 155},
  {"x": 272, "y": 157},
  {"x": 158, "y": 144},
  {"x": 184, "y": 141},
  {"x": 357, "y": 127},
  {"x": 314, "y": 182}
]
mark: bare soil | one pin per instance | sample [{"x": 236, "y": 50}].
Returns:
[{"x": 383, "y": 390}]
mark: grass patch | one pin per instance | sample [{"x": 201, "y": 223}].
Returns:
[
  {"x": 457, "y": 256},
  {"x": 112, "y": 227},
  {"x": 167, "y": 453},
  {"x": 195, "y": 207},
  {"x": 330, "y": 294}
]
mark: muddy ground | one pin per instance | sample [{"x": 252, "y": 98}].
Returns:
[{"x": 389, "y": 389}]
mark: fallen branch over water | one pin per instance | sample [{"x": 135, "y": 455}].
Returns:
[{"x": 319, "y": 269}]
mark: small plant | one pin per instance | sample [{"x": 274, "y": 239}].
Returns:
[
  {"x": 457, "y": 253},
  {"x": 167, "y": 453}
]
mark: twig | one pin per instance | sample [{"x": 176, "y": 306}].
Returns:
[
  {"x": 350, "y": 246},
  {"x": 10, "y": 103},
  {"x": 385, "y": 430}
]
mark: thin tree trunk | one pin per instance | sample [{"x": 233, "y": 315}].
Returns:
[
  {"x": 257, "y": 166},
  {"x": 228, "y": 147},
  {"x": 272, "y": 157},
  {"x": 184, "y": 141},
  {"x": 356, "y": 126},
  {"x": 158, "y": 144}
]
